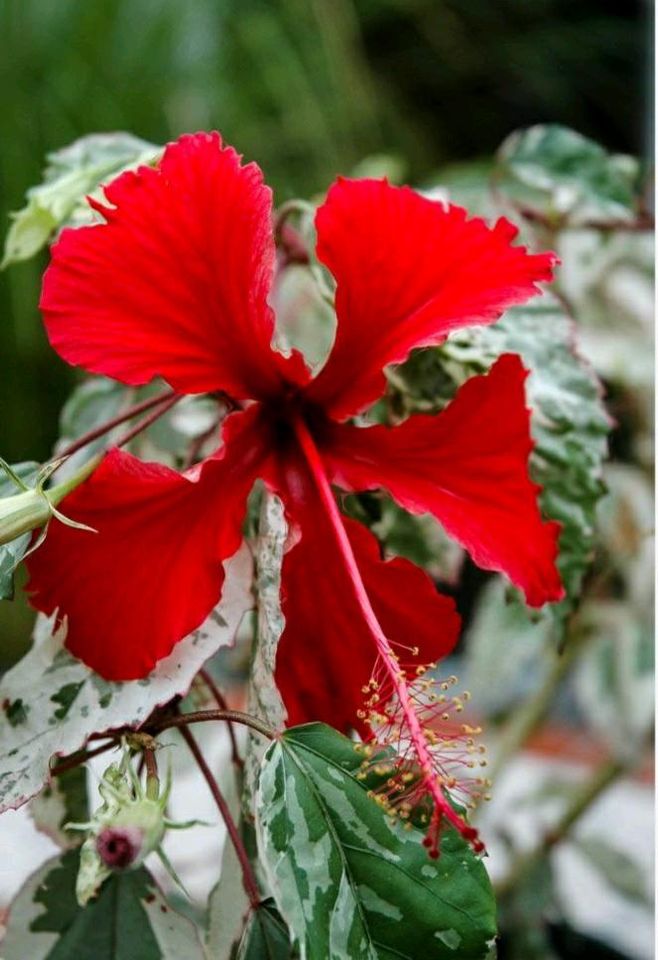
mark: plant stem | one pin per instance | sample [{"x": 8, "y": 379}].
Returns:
[
  {"x": 531, "y": 714},
  {"x": 128, "y": 414},
  {"x": 152, "y": 779},
  {"x": 590, "y": 791},
  {"x": 248, "y": 877},
  {"x": 147, "y": 421},
  {"x": 222, "y": 704},
  {"x": 203, "y": 716},
  {"x": 79, "y": 758}
]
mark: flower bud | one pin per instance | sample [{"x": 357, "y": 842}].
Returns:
[
  {"x": 134, "y": 831},
  {"x": 33, "y": 508},
  {"x": 21, "y": 513},
  {"x": 119, "y": 847}
]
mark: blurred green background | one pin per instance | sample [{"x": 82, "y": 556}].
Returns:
[{"x": 308, "y": 88}]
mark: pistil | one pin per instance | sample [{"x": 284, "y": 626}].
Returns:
[{"x": 430, "y": 780}]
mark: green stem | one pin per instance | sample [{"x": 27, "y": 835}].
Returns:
[{"x": 583, "y": 799}]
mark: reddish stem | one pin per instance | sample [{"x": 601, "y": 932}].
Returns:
[
  {"x": 383, "y": 645},
  {"x": 248, "y": 877},
  {"x": 147, "y": 421},
  {"x": 223, "y": 705},
  {"x": 128, "y": 414},
  {"x": 79, "y": 758},
  {"x": 204, "y": 716}
]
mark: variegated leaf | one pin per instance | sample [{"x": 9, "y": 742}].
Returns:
[
  {"x": 349, "y": 881},
  {"x": 54, "y": 702}
]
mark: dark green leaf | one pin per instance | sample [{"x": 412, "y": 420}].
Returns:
[
  {"x": 350, "y": 882},
  {"x": 12, "y": 553},
  {"x": 129, "y": 920},
  {"x": 266, "y": 936},
  {"x": 562, "y": 174}
]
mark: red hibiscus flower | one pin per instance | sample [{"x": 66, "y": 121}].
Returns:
[{"x": 175, "y": 283}]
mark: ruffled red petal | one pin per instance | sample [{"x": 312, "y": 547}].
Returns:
[
  {"x": 409, "y": 270},
  {"x": 174, "y": 283},
  {"x": 469, "y": 467},
  {"x": 153, "y": 571},
  {"x": 326, "y": 654}
]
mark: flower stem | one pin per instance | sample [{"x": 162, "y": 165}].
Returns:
[
  {"x": 248, "y": 877},
  {"x": 222, "y": 704},
  {"x": 128, "y": 414},
  {"x": 70, "y": 763},
  {"x": 152, "y": 779},
  {"x": 141, "y": 425},
  {"x": 382, "y": 644},
  {"x": 203, "y": 716}
]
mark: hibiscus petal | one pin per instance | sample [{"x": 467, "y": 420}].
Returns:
[
  {"x": 469, "y": 467},
  {"x": 326, "y": 654},
  {"x": 175, "y": 282},
  {"x": 153, "y": 571},
  {"x": 409, "y": 270}
]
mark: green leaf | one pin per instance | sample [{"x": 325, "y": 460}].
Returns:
[
  {"x": 63, "y": 702},
  {"x": 266, "y": 936},
  {"x": 569, "y": 423},
  {"x": 130, "y": 919},
  {"x": 12, "y": 553},
  {"x": 562, "y": 174},
  {"x": 350, "y": 882},
  {"x": 71, "y": 174}
]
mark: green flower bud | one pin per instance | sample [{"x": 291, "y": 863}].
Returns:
[
  {"x": 33, "y": 508},
  {"x": 21, "y": 513}
]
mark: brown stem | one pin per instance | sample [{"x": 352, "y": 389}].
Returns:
[
  {"x": 203, "y": 716},
  {"x": 248, "y": 877},
  {"x": 128, "y": 414},
  {"x": 79, "y": 758},
  {"x": 152, "y": 779},
  {"x": 147, "y": 421},
  {"x": 223, "y": 705},
  {"x": 197, "y": 445},
  {"x": 643, "y": 222}
]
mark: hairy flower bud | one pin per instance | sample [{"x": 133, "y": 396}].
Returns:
[{"x": 124, "y": 830}]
